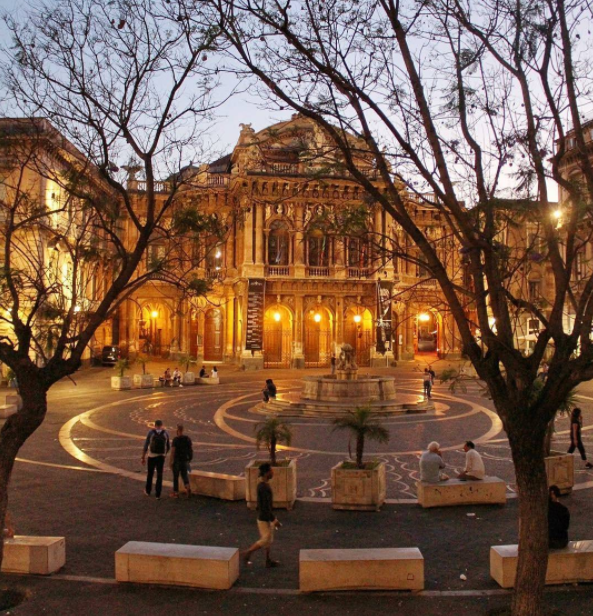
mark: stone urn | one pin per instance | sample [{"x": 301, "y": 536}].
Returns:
[
  {"x": 283, "y": 484},
  {"x": 121, "y": 382},
  {"x": 560, "y": 470},
  {"x": 356, "y": 489},
  {"x": 189, "y": 378},
  {"x": 143, "y": 381}
]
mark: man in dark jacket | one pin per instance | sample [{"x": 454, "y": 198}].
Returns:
[
  {"x": 182, "y": 454},
  {"x": 558, "y": 520},
  {"x": 267, "y": 522}
]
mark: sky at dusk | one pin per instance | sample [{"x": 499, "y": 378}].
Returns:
[{"x": 243, "y": 109}]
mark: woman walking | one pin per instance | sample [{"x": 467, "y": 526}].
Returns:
[{"x": 576, "y": 422}]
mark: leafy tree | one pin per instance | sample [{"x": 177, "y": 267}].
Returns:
[
  {"x": 363, "y": 424},
  {"x": 128, "y": 89},
  {"x": 468, "y": 108}
]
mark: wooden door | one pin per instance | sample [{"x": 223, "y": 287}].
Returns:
[{"x": 213, "y": 336}]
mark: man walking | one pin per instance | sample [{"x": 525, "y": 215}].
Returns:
[
  {"x": 266, "y": 520},
  {"x": 427, "y": 382},
  {"x": 157, "y": 446},
  {"x": 182, "y": 454}
]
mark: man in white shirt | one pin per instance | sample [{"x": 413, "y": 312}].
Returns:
[{"x": 474, "y": 465}]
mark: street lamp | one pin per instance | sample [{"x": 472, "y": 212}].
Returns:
[
  {"x": 154, "y": 314},
  {"x": 277, "y": 317},
  {"x": 424, "y": 317},
  {"x": 317, "y": 317},
  {"x": 357, "y": 318}
]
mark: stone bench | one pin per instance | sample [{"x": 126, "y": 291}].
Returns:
[
  {"x": 10, "y": 404},
  {"x": 574, "y": 563},
  {"x": 199, "y": 566},
  {"x": 487, "y": 491},
  {"x": 369, "y": 569},
  {"x": 39, "y": 555},
  {"x": 207, "y": 380},
  {"x": 217, "y": 485}
]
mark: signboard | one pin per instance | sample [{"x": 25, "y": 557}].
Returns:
[
  {"x": 255, "y": 314},
  {"x": 384, "y": 292}
]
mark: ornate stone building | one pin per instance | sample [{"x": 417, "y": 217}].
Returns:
[{"x": 286, "y": 291}]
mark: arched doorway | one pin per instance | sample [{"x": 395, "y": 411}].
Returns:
[
  {"x": 318, "y": 330},
  {"x": 358, "y": 333},
  {"x": 277, "y": 337},
  {"x": 427, "y": 333},
  {"x": 153, "y": 329},
  {"x": 213, "y": 335}
]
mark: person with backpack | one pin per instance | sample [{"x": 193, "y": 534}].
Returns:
[
  {"x": 157, "y": 447},
  {"x": 182, "y": 454}
]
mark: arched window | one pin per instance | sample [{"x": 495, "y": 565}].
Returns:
[
  {"x": 214, "y": 254},
  {"x": 358, "y": 253},
  {"x": 278, "y": 244},
  {"x": 317, "y": 248}
]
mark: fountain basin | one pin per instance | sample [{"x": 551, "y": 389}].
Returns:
[{"x": 331, "y": 389}]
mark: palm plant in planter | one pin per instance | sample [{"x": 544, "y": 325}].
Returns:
[
  {"x": 270, "y": 434},
  {"x": 143, "y": 380},
  {"x": 559, "y": 464},
  {"x": 185, "y": 361},
  {"x": 360, "y": 486},
  {"x": 121, "y": 381}
]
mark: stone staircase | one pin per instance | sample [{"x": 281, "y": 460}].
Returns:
[{"x": 302, "y": 407}]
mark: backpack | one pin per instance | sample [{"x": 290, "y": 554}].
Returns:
[
  {"x": 183, "y": 449},
  {"x": 158, "y": 442}
]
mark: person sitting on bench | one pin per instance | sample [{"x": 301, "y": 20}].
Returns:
[
  {"x": 431, "y": 464},
  {"x": 474, "y": 465},
  {"x": 269, "y": 391},
  {"x": 203, "y": 373},
  {"x": 177, "y": 376},
  {"x": 558, "y": 520},
  {"x": 166, "y": 378}
]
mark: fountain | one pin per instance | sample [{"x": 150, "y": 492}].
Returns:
[{"x": 334, "y": 395}]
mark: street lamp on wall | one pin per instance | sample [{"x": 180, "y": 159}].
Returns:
[
  {"x": 317, "y": 317},
  {"x": 357, "y": 318}
]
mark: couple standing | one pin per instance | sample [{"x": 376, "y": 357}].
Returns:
[{"x": 156, "y": 448}]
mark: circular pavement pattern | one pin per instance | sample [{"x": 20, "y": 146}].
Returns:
[{"x": 221, "y": 423}]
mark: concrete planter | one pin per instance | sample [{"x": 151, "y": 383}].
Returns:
[
  {"x": 144, "y": 381},
  {"x": 189, "y": 378},
  {"x": 121, "y": 382},
  {"x": 560, "y": 471},
  {"x": 283, "y": 484},
  {"x": 358, "y": 490}
]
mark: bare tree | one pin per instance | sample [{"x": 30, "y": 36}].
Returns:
[
  {"x": 479, "y": 103},
  {"x": 100, "y": 86}
]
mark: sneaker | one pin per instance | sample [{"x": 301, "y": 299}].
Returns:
[
  {"x": 158, "y": 498},
  {"x": 146, "y": 493}
]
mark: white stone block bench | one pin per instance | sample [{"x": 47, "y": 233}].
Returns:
[
  {"x": 217, "y": 485},
  {"x": 574, "y": 563},
  {"x": 10, "y": 404},
  {"x": 199, "y": 566},
  {"x": 39, "y": 555},
  {"x": 206, "y": 380},
  {"x": 487, "y": 491},
  {"x": 368, "y": 569}
]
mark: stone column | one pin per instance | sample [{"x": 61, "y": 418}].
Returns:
[
  {"x": 298, "y": 343},
  {"x": 230, "y": 322},
  {"x": 299, "y": 244}
]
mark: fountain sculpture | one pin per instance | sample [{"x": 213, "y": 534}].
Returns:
[{"x": 334, "y": 395}]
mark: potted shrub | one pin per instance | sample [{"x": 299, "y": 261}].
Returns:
[
  {"x": 144, "y": 381},
  {"x": 270, "y": 434},
  {"x": 559, "y": 464},
  {"x": 185, "y": 361},
  {"x": 356, "y": 484},
  {"x": 121, "y": 381}
]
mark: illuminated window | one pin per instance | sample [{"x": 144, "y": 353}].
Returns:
[{"x": 278, "y": 244}]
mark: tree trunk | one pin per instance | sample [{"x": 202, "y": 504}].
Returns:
[
  {"x": 527, "y": 446},
  {"x": 359, "y": 449},
  {"x": 273, "y": 451},
  {"x": 16, "y": 430}
]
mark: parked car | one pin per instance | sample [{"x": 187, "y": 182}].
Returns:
[{"x": 109, "y": 355}]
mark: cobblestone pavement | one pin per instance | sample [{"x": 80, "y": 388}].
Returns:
[{"x": 96, "y": 502}]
